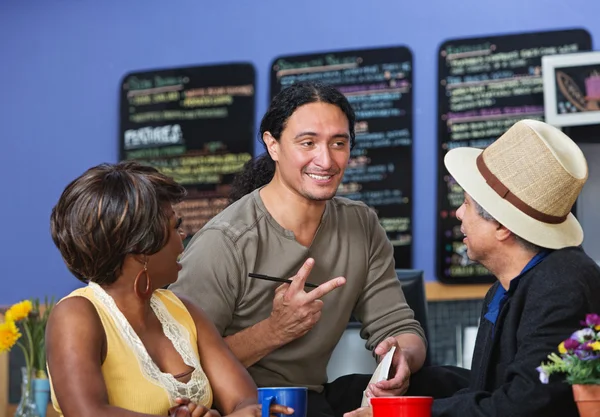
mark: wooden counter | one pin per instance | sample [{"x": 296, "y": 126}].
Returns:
[{"x": 436, "y": 291}]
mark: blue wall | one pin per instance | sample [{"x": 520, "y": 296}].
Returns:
[{"x": 61, "y": 63}]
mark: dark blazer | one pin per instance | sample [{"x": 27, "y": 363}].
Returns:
[{"x": 546, "y": 307}]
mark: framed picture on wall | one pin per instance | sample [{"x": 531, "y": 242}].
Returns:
[{"x": 572, "y": 89}]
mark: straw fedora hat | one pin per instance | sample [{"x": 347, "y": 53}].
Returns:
[{"x": 528, "y": 180}]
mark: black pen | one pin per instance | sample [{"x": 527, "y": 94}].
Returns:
[{"x": 285, "y": 281}]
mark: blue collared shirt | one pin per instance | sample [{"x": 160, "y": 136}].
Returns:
[{"x": 501, "y": 295}]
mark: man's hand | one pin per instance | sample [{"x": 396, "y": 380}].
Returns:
[
  {"x": 360, "y": 412},
  {"x": 400, "y": 370},
  {"x": 295, "y": 311}
]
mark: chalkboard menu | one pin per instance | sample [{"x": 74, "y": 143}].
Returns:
[
  {"x": 378, "y": 84},
  {"x": 194, "y": 124},
  {"x": 485, "y": 86}
]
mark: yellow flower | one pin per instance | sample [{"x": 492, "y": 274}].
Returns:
[
  {"x": 595, "y": 345},
  {"x": 19, "y": 311},
  {"x": 9, "y": 334},
  {"x": 561, "y": 348},
  {"x": 597, "y": 327}
]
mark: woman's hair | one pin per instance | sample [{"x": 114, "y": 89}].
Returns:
[
  {"x": 259, "y": 171},
  {"x": 109, "y": 212}
]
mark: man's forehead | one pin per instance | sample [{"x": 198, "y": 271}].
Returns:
[{"x": 316, "y": 114}]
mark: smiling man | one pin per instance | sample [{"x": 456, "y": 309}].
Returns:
[{"x": 287, "y": 222}]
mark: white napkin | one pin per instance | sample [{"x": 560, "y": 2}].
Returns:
[{"x": 381, "y": 373}]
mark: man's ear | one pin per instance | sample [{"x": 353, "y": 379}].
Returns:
[
  {"x": 502, "y": 233},
  {"x": 272, "y": 145}
]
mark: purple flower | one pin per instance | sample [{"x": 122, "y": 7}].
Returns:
[
  {"x": 571, "y": 344},
  {"x": 583, "y": 335},
  {"x": 592, "y": 320},
  {"x": 544, "y": 377},
  {"x": 586, "y": 354},
  {"x": 590, "y": 357},
  {"x": 587, "y": 346}
]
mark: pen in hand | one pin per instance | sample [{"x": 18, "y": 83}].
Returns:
[{"x": 285, "y": 281}]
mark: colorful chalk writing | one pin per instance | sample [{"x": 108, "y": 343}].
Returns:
[
  {"x": 485, "y": 85},
  {"x": 378, "y": 84},
  {"x": 194, "y": 124}
]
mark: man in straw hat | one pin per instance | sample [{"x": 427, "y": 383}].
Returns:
[{"x": 517, "y": 222}]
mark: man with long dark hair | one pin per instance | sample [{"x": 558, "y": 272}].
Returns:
[{"x": 287, "y": 222}]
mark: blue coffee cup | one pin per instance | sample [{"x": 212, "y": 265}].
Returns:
[{"x": 294, "y": 397}]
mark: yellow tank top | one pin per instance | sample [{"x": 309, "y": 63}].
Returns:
[{"x": 133, "y": 381}]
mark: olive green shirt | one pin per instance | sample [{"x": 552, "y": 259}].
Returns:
[{"x": 350, "y": 242}]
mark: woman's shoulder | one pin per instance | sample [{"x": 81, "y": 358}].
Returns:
[
  {"x": 85, "y": 291},
  {"x": 78, "y": 297},
  {"x": 76, "y": 308},
  {"x": 82, "y": 299}
]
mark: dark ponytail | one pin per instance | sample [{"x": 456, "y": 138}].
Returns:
[
  {"x": 256, "y": 173},
  {"x": 259, "y": 171}
]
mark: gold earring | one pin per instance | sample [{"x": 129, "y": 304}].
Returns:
[{"x": 148, "y": 290}]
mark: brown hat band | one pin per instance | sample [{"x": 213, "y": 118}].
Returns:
[{"x": 505, "y": 193}]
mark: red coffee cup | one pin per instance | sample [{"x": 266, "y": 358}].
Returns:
[{"x": 401, "y": 406}]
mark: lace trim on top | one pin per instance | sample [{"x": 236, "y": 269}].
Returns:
[{"x": 197, "y": 388}]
